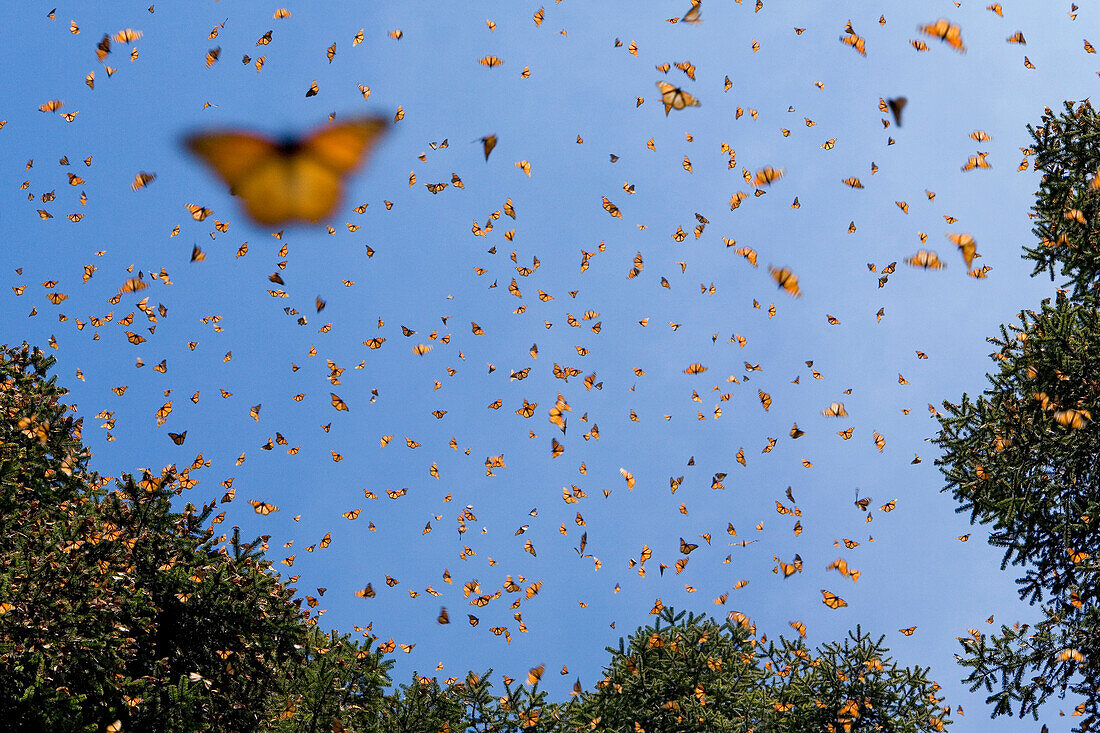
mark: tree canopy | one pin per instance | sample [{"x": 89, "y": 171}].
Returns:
[
  {"x": 114, "y": 606},
  {"x": 1024, "y": 456}
]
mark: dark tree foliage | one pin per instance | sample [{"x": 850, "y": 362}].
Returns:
[
  {"x": 456, "y": 706},
  {"x": 852, "y": 686},
  {"x": 114, "y": 607},
  {"x": 1024, "y": 457},
  {"x": 692, "y": 673},
  {"x": 689, "y": 673},
  {"x": 337, "y": 684}
]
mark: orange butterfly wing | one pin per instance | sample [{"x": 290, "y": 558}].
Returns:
[
  {"x": 342, "y": 147},
  {"x": 232, "y": 155},
  {"x": 300, "y": 180}
]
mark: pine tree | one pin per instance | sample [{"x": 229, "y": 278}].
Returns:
[
  {"x": 1024, "y": 457},
  {"x": 689, "y": 673},
  {"x": 116, "y": 609}
]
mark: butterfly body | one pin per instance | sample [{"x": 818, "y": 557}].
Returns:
[{"x": 292, "y": 179}]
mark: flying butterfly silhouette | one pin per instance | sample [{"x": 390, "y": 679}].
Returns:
[
  {"x": 832, "y": 600},
  {"x": 293, "y": 180},
  {"x": 786, "y": 280},
  {"x": 692, "y": 15},
  {"x": 925, "y": 259},
  {"x": 945, "y": 31},
  {"x": 488, "y": 143},
  {"x": 966, "y": 245},
  {"x": 675, "y": 97},
  {"x": 896, "y": 106}
]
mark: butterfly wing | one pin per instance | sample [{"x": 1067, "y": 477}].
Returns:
[
  {"x": 488, "y": 143},
  {"x": 343, "y": 146},
  {"x": 232, "y": 155},
  {"x": 668, "y": 94},
  {"x": 896, "y": 106}
]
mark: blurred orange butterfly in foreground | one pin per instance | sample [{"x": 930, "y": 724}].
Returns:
[{"x": 295, "y": 179}]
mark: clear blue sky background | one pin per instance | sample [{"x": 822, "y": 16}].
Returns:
[{"x": 914, "y": 573}]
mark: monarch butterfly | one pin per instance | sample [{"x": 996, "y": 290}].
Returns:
[
  {"x": 853, "y": 182},
  {"x": 859, "y": 43},
  {"x": 178, "y": 438},
  {"x": 142, "y": 179},
  {"x": 132, "y": 285},
  {"x": 611, "y": 208},
  {"x": 535, "y": 674},
  {"x": 628, "y": 476},
  {"x": 1073, "y": 419},
  {"x": 786, "y": 279},
  {"x": 692, "y": 15},
  {"x": 490, "y": 61},
  {"x": 926, "y": 259},
  {"x": 263, "y": 508},
  {"x": 966, "y": 245},
  {"x": 292, "y": 180},
  {"x": 198, "y": 213},
  {"x": 947, "y": 32},
  {"x": 832, "y": 600},
  {"x": 766, "y": 175},
  {"x": 835, "y": 409},
  {"x": 794, "y": 567},
  {"x": 488, "y": 143},
  {"x": 695, "y": 369},
  {"x": 896, "y": 106},
  {"x": 1017, "y": 37},
  {"x": 1077, "y": 556},
  {"x": 687, "y": 67},
  {"x": 976, "y": 161},
  {"x": 675, "y": 97}
]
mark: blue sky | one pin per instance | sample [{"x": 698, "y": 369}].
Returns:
[{"x": 423, "y": 270}]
